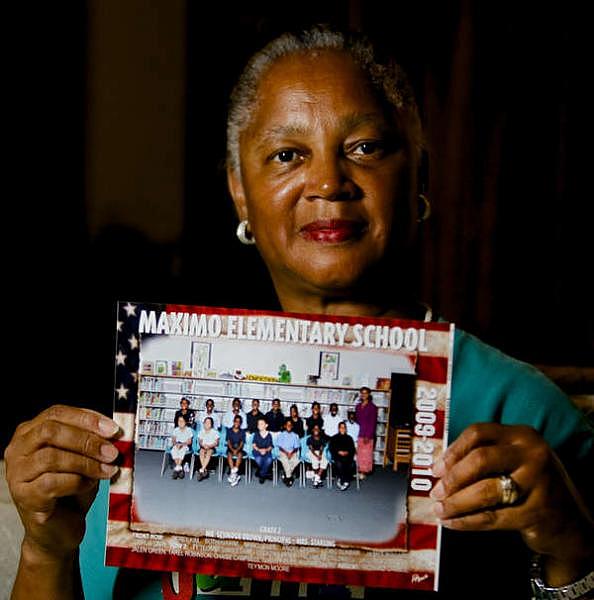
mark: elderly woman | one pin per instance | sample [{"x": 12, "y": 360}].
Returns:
[{"x": 324, "y": 145}]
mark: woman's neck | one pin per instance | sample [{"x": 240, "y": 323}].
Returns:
[{"x": 357, "y": 307}]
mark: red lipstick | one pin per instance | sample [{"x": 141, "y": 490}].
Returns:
[{"x": 332, "y": 231}]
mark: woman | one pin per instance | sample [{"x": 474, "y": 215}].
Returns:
[
  {"x": 296, "y": 420},
  {"x": 181, "y": 440},
  {"x": 208, "y": 440},
  {"x": 366, "y": 414},
  {"x": 262, "y": 450},
  {"x": 323, "y": 156},
  {"x": 342, "y": 450}
]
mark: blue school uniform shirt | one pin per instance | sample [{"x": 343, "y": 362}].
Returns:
[{"x": 487, "y": 386}]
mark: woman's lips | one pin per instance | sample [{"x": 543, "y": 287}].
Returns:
[{"x": 332, "y": 231}]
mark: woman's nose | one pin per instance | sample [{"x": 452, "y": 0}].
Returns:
[{"x": 327, "y": 179}]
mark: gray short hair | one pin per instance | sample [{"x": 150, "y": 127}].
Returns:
[{"x": 387, "y": 77}]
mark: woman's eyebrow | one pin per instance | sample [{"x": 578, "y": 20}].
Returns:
[{"x": 346, "y": 123}]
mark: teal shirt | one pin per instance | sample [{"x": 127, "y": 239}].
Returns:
[{"x": 487, "y": 386}]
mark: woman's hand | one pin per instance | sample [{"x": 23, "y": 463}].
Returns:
[
  {"x": 53, "y": 464},
  {"x": 549, "y": 512}
]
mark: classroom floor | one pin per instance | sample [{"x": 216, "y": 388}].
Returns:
[{"x": 371, "y": 514}]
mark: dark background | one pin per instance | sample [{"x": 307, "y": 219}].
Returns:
[{"x": 119, "y": 110}]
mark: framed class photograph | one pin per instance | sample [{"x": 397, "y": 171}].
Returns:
[{"x": 289, "y": 503}]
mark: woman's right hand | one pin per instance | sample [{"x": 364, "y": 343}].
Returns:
[{"x": 53, "y": 465}]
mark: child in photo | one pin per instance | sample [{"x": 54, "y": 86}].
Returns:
[
  {"x": 288, "y": 444},
  {"x": 235, "y": 443},
  {"x": 262, "y": 446},
  {"x": 315, "y": 454},
  {"x": 182, "y": 440},
  {"x": 208, "y": 439}
]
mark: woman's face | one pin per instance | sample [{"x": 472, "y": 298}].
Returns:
[{"x": 323, "y": 171}]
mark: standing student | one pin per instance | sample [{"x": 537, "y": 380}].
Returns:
[
  {"x": 352, "y": 425},
  {"x": 275, "y": 418},
  {"x": 315, "y": 418},
  {"x": 231, "y": 414},
  {"x": 297, "y": 421},
  {"x": 332, "y": 420},
  {"x": 253, "y": 416},
  {"x": 209, "y": 411},
  {"x": 186, "y": 412},
  {"x": 342, "y": 450}
]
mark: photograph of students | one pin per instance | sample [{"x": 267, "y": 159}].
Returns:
[
  {"x": 352, "y": 426},
  {"x": 262, "y": 446},
  {"x": 208, "y": 439},
  {"x": 209, "y": 411},
  {"x": 182, "y": 440},
  {"x": 332, "y": 420},
  {"x": 186, "y": 412},
  {"x": 342, "y": 451},
  {"x": 315, "y": 454},
  {"x": 275, "y": 418},
  {"x": 230, "y": 414},
  {"x": 235, "y": 443},
  {"x": 315, "y": 418},
  {"x": 288, "y": 443},
  {"x": 253, "y": 416},
  {"x": 297, "y": 421},
  {"x": 366, "y": 413}
]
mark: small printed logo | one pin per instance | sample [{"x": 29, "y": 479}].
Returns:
[{"x": 416, "y": 578}]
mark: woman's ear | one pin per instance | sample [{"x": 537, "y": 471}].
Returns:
[{"x": 237, "y": 193}]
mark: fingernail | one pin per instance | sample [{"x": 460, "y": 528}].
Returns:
[
  {"x": 439, "y": 468},
  {"x": 438, "y": 509},
  {"x": 107, "y": 427},
  {"x": 110, "y": 470},
  {"x": 108, "y": 452},
  {"x": 438, "y": 492}
]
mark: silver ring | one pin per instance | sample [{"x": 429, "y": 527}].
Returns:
[{"x": 509, "y": 490}]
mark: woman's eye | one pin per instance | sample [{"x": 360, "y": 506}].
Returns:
[
  {"x": 285, "y": 156},
  {"x": 367, "y": 148}
]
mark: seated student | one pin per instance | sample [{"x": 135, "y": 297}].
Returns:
[
  {"x": 208, "y": 439},
  {"x": 297, "y": 421},
  {"x": 235, "y": 442},
  {"x": 342, "y": 450},
  {"x": 182, "y": 440},
  {"x": 288, "y": 444},
  {"x": 209, "y": 411},
  {"x": 230, "y": 414},
  {"x": 275, "y": 418},
  {"x": 352, "y": 425},
  {"x": 253, "y": 416},
  {"x": 262, "y": 446},
  {"x": 315, "y": 454},
  {"x": 332, "y": 420},
  {"x": 315, "y": 418},
  {"x": 186, "y": 412}
]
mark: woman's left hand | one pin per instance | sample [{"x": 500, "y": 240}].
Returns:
[{"x": 549, "y": 512}]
